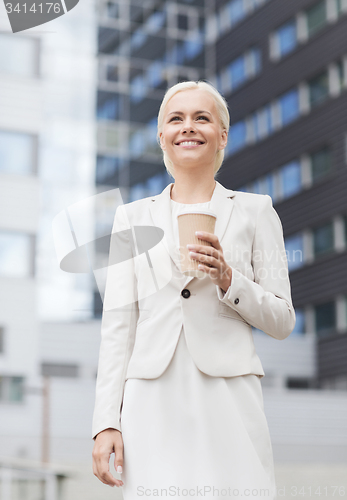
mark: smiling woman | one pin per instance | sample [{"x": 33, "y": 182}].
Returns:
[
  {"x": 179, "y": 398},
  {"x": 212, "y": 117}
]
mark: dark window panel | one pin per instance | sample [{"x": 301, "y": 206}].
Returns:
[
  {"x": 59, "y": 370},
  {"x": 323, "y": 239},
  {"x": 325, "y": 319},
  {"x": 319, "y": 89},
  {"x": 321, "y": 163}
]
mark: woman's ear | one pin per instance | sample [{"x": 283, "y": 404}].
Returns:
[
  {"x": 224, "y": 140},
  {"x": 162, "y": 141}
]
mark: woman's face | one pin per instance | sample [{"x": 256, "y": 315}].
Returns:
[{"x": 192, "y": 133}]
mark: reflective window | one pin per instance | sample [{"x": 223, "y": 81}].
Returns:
[
  {"x": 262, "y": 122},
  {"x": 193, "y": 45},
  {"x": 323, "y": 238},
  {"x": 112, "y": 74},
  {"x": 155, "y": 22},
  {"x": 24, "y": 55},
  {"x": 107, "y": 169},
  {"x": 138, "y": 38},
  {"x": 154, "y": 184},
  {"x": 289, "y": 106},
  {"x": 176, "y": 55},
  {"x": 236, "y": 11},
  {"x": 256, "y": 187},
  {"x": 325, "y": 319},
  {"x": 320, "y": 163},
  {"x": 136, "y": 12},
  {"x": 112, "y": 10},
  {"x": 290, "y": 176},
  {"x": 287, "y": 38},
  {"x": 182, "y": 22},
  {"x": 237, "y": 136},
  {"x": 319, "y": 89},
  {"x": 137, "y": 89},
  {"x": 237, "y": 72},
  {"x": 316, "y": 17},
  {"x": 137, "y": 143},
  {"x": 17, "y": 152},
  {"x": 155, "y": 74},
  {"x": 15, "y": 254},
  {"x": 341, "y": 73},
  {"x": 152, "y": 145},
  {"x": 137, "y": 192},
  {"x": 268, "y": 185},
  {"x": 299, "y": 328},
  {"x": 294, "y": 246},
  {"x": 229, "y": 15},
  {"x": 340, "y": 7},
  {"x": 11, "y": 389},
  {"x": 108, "y": 105}
]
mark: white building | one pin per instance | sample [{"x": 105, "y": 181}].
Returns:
[{"x": 47, "y": 156}]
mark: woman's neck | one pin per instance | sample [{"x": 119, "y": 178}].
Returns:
[{"x": 185, "y": 194}]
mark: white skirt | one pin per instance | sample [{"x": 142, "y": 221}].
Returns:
[{"x": 188, "y": 434}]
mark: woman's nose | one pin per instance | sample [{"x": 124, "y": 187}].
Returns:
[{"x": 188, "y": 126}]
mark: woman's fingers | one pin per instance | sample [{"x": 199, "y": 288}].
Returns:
[
  {"x": 118, "y": 459},
  {"x": 107, "y": 442}
]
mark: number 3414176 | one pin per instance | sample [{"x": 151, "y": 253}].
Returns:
[{"x": 39, "y": 8}]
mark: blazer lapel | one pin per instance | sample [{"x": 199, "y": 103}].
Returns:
[{"x": 221, "y": 204}]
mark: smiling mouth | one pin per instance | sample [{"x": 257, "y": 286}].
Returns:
[{"x": 189, "y": 143}]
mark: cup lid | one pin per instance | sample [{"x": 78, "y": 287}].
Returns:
[{"x": 198, "y": 212}]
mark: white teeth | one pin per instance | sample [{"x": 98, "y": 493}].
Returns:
[{"x": 189, "y": 143}]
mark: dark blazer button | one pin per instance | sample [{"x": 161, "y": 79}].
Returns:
[
  {"x": 185, "y": 293},
  {"x": 236, "y": 301}
]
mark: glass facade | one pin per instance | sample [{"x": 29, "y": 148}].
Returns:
[
  {"x": 319, "y": 89},
  {"x": 294, "y": 246},
  {"x": 155, "y": 46},
  {"x": 11, "y": 389},
  {"x": 290, "y": 175},
  {"x": 325, "y": 319},
  {"x": 316, "y": 17},
  {"x": 17, "y": 152},
  {"x": 289, "y": 106},
  {"x": 24, "y": 60},
  {"x": 321, "y": 163},
  {"x": 16, "y": 254},
  {"x": 323, "y": 238},
  {"x": 286, "y": 181},
  {"x": 287, "y": 38},
  {"x": 239, "y": 71},
  {"x": 229, "y": 15},
  {"x": 280, "y": 112},
  {"x": 300, "y": 324}
]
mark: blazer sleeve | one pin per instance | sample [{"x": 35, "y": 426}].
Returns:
[
  {"x": 266, "y": 302},
  {"x": 118, "y": 327}
]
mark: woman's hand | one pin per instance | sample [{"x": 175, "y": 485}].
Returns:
[
  {"x": 107, "y": 442},
  {"x": 211, "y": 260}
]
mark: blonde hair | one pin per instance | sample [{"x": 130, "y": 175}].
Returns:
[{"x": 222, "y": 109}]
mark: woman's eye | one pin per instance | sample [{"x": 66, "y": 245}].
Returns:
[{"x": 199, "y": 117}]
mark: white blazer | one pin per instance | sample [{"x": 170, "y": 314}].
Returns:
[{"x": 154, "y": 299}]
